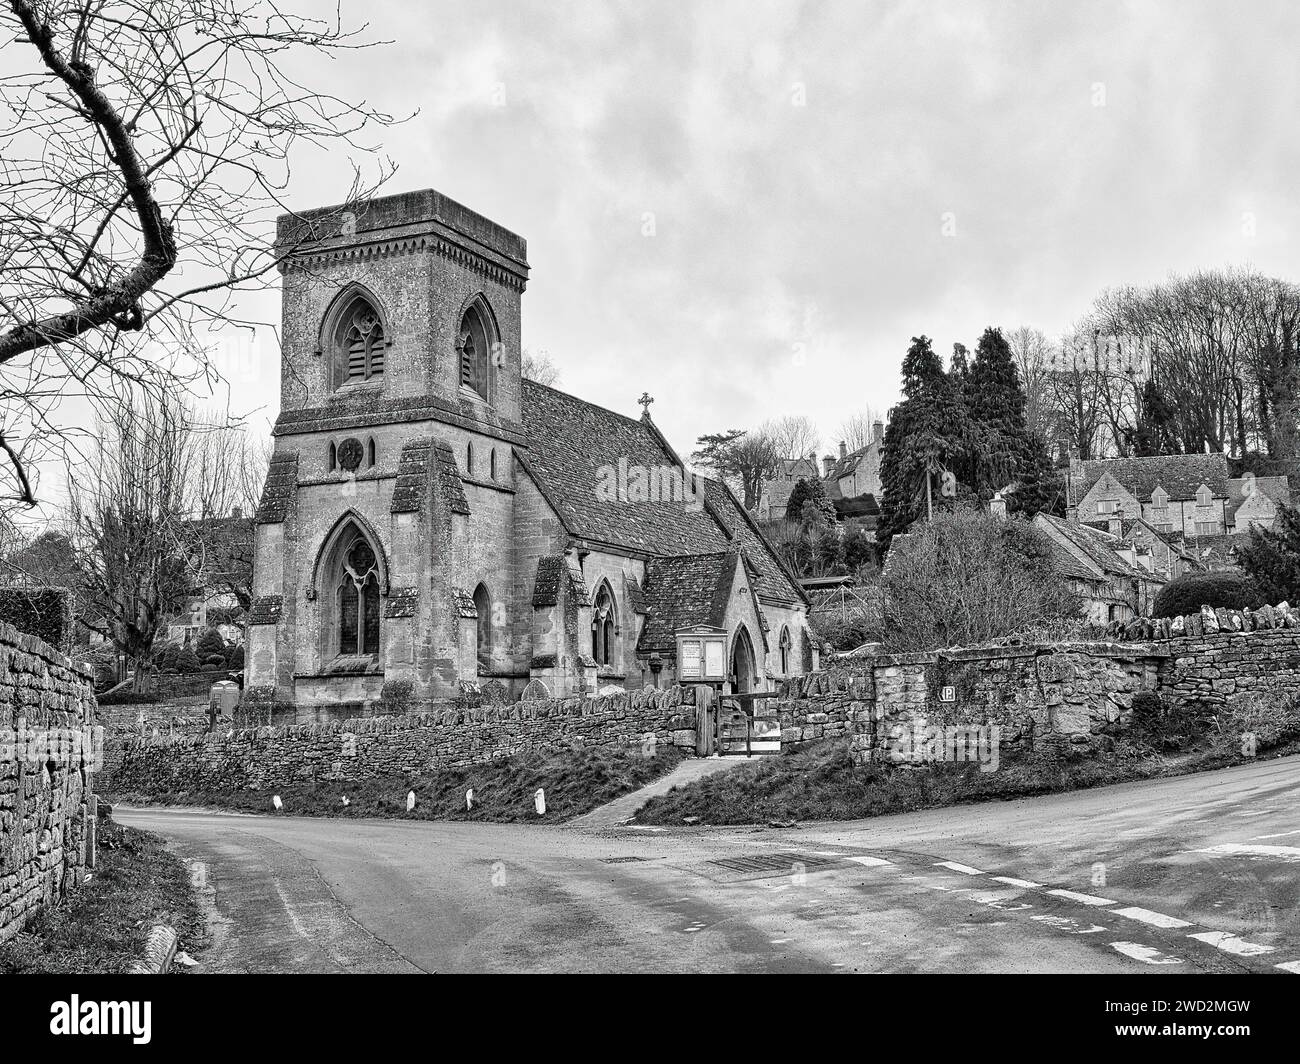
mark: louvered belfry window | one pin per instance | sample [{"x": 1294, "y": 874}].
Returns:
[{"x": 363, "y": 343}]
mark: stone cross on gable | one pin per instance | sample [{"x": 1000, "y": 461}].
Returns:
[{"x": 645, "y": 401}]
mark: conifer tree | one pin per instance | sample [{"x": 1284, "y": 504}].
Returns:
[{"x": 1272, "y": 558}]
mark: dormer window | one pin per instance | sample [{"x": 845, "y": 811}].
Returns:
[
  {"x": 1204, "y": 496},
  {"x": 360, "y": 343},
  {"x": 1160, "y": 499}
]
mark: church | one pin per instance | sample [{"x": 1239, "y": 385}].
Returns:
[{"x": 435, "y": 524}]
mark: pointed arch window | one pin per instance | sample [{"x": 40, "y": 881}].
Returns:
[
  {"x": 358, "y": 600},
  {"x": 370, "y": 453},
  {"x": 483, "y": 607},
  {"x": 785, "y": 647},
  {"x": 475, "y": 340},
  {"x": 604, "y": 630},
  {"x": 360, "y": 343}
]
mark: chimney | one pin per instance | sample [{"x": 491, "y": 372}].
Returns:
[
  {"x": 844, "y": 449},
  {"x": 828, "y": 463},
  {"x": 878, "y": 432},
  {"x": 1116, "y": 525}
]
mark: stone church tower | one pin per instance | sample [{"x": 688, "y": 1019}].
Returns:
[{"x": 429, "y": 520}]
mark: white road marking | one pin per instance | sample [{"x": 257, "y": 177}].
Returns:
[
  {"x": 870, "y": 862},
  {"x": 1231, "y": 943},
  {"x": 1279, "y": 835},
  {"x": 829, "y": 853},
  {"x": 965, "y": 870},
  {"x": 1072, "y": 927},
  {"x": 1085, "y": 899},
  {"x": 998, "y": 899},
  {"x": 1144, "y": 953},
  {"x": 1289, "y": 966},
  {"x": 1148, "y": 917},
  {"x": 1028, "y": 884},
  {"x": 1241, "y": 849}
]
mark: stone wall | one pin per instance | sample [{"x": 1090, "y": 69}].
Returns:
[
  {"x": 47, "y": 803},
  {"x": 375, "y": 747}
]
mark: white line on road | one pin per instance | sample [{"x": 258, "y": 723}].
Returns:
[
  {"x": 1240, "y": 849},
  {"x": 1064, "y": 923},
  {"x": 1085, "y": 899},
  {"x": 1289, "y": 966},
  {"x": 1231, "y": 943},
  {"x": 1279, "y": 835},
  {"x": 1144, "y": 953},
  {"x": 1028, "y": 884},
  {"x": 965, "y": 870},
  {"x": 1149, "y": 917},
  {"x": 870, "y": 862}
]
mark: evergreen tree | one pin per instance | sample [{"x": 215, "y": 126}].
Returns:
[
  {"x": 928, "y": 432},
  {"x": 1155, "y": 432},
  {"x": 1272, "y": 558},
  {"x": 799, "y": 495}
]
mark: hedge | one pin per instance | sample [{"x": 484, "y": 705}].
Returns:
[
  {"x": 1187, "y": 594},
  {"x": 45, "y": 612}
]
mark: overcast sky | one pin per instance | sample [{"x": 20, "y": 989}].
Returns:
[{"x": 748, "y": 208}]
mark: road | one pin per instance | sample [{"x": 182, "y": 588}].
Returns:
[{"x": 1195, "y": 874}]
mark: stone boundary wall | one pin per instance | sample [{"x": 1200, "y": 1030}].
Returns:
[
  {"x": 372, "y": 747},
  {"x": 1072, "y": 691},
  {"x": 47, "y": 801}
]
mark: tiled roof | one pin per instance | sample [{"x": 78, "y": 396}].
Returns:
[
  {"x": 546, "y": 588},
  {"x": 278, "y": 492},
  {"x": 575, "y": 451},
  {"x": 1097, "y": 546},
  {"x": 682, "y": 592},
  {"x": 1179, "y": 474},
  {"x": 412, "y": 476},
  {"x": 844, "y": 466},
  {"x": 1278, "y": 489}
]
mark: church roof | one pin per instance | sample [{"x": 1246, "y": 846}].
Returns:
[{"x": 584, "y": 460}]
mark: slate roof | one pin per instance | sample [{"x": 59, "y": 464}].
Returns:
[
  {"x": 684, "y": 591},
  {"x": 1276, "y": 488},
  {"x": 844, "y": 466},
  {"x": 575, "y": 449},
  {"x": 1098, "y": 547},
  {"x": 279, "y": 489},
  {"x": 1179, "y": 474},
  {"x": 412, "y": 476}
]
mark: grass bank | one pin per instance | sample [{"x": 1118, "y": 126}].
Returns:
[
  {"x": 574, "y": 782},
  {"x": 101, "y": 928},
  {"x": 821, "y": 782}
]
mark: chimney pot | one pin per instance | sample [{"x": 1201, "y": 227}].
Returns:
[
  {"x": 844, "y": 449},
  {"x": 878, "y": 431}
]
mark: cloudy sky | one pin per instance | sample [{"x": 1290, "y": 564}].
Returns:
[{"x": 748, "y": 208}]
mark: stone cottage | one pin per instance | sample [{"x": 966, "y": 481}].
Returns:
[{"x": 433, "y": 519}]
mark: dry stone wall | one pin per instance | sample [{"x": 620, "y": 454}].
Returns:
[
  {"x": 375, "y": 747},
  {"x": 49, "y": 747}
]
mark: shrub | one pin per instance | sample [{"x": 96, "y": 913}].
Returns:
[
  {"x": 396, "y": 697},
  {"x": 187, "y": 660},
  {"x": 127, "y": 698},
  {"x": 847, "y": 633},
  {"x": 236, "y": 660},
  {"x": 967, "y": 577},
  {"x": 215, "y": 661},
  {"x": 1187, "y": 594},
  {"x": 210, "y": 643}
]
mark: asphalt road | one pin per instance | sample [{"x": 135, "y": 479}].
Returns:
[{"x": 1196, "y": 874}]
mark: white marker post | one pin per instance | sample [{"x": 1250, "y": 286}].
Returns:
[
  {"x": 539, "y": 802},
  {"x": 275, "y": 801},
  {"x": 410, "y": 800},
  {"x": 469, "y": 799}
]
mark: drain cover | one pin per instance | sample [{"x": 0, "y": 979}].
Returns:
[
  {"x": 620, "y": 860},
  {"x": 772, "y": 862}
]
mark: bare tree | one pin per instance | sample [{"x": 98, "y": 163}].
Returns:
[
  {"x": 128, "y": 507},
  {"x": 537, "y": 366},
  {"x": 145, "y": 148},
  {"x": 857, "y": 430},
  {"x": 1033, "y": 354},
  {"x": 793, "y": 436}
]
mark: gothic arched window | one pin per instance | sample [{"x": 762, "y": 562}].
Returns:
[
  {"x": 359, "y": 343},
  {"x": 358, "y": 600},
  {"x": 603, "y": 627},
  {"x": 370, "y": 453},
  {"x": 785, "y": 650},
  {"x": 474, "y": 342},
  {"x": 483, "y": 606}
]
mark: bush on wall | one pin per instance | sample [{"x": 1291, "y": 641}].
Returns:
[
  {"x": 45, "y": 612},
  {"x": 1187, "y": 594}
]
